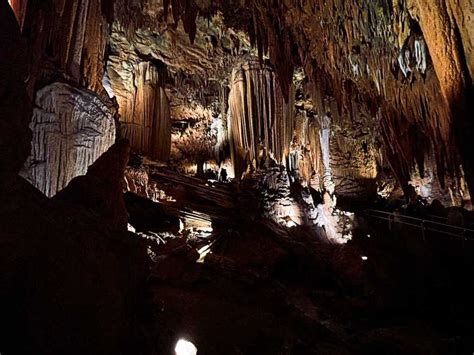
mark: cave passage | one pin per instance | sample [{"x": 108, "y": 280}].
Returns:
[{"x": 236, "y": 177}]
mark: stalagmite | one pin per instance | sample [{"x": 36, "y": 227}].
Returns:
[{"x": 260, "y": 121}]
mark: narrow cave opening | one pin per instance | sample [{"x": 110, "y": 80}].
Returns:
[{"x": 264, "y": 177}]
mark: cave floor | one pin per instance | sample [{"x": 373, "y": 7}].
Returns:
[{"x": 267, "y": 289}]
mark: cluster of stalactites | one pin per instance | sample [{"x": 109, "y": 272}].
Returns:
[
  {"x": 383, "y": 55},
  {"x": 261, "y": 122}
]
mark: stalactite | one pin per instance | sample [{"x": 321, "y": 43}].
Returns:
[
  {"x": 144, "y": 110},
  {"x": 71, "y": 42}
]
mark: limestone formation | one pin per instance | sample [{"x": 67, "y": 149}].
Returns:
[
  {"x": 66, "y": 39},
  {"x": 260, "y": 121},
  {"x": 143, "y": 106},
  {"x": 72, "y": 127},
  {"x": 196, "y": 166}
]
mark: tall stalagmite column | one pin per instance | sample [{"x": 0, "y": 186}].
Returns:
[
  {"x": 259, "y": 118},
  {"x": 145, "y": 114}
]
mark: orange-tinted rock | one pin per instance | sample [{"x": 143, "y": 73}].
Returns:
[
  {"x": 260, "y": 121},
  {"x": 66, "y": 39}
]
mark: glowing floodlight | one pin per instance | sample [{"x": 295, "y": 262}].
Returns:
[
  {"x": 184, "y": 347},
  {"x": 364, "y": 258}
]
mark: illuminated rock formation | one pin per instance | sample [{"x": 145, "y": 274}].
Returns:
[
  {"x": 71, "y": 278},
  {"x": 143, "y": 107},
  {"x": 71, "y": 128},
  {"x": 260, "y": 121},
  {"x": 66, "y": 39}
]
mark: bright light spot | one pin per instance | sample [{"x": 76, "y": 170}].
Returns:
[
  {"x": 184, "y": 347},
  {"x": 131, "y": 228},
  {"x": 368, "y": 235},
  {"x": 202, "y": 253},
  {"x": 364, "y": 258}
]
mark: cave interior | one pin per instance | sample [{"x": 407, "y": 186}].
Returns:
[{"x": 236, "y": 177}]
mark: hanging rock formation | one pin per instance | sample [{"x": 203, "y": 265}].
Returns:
[
  {"x": 72, "y": 125},
  {"x": 260, "y": 121},
  {"x": 143, "y": 106},
  {"x": 66, "y": 39},
  {"x": 408, "y": 63},
  {"x": 71, "y": 128}
]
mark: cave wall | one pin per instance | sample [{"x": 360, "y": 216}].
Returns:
[
  {"x": 66, "y": 40},
  {"x": 194, "y": 74},
  {"x": 72, "y": 279},
  {"x": 404, "y": 66},
  {"x": 332, "y": 153}
]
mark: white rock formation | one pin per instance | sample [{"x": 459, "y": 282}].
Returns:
[{"x": 71, "y": 128}]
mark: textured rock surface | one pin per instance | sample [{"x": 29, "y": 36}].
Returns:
[
  {"x": 70, "y": 282},
  {"x": 260, "y": 121},
  {"x": 193, "y": 74},
  {"x": 71, "y": 128},
  {"x": 66, "y": 39},
  {"x": 143, "y": 105},
  {"x": 405, "y": 63}
]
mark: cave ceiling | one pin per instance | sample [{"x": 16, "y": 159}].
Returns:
[
  {"x": 392, "y": 75},
  {"x": 405, "y": 66}
]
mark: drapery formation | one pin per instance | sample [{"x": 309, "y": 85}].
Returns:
[
  {"x": 260, "y": 121},
  {"x": 66, "y": 39},
  {"x": 73, "y": 122},
  {"x": 144, "y": 111}
]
